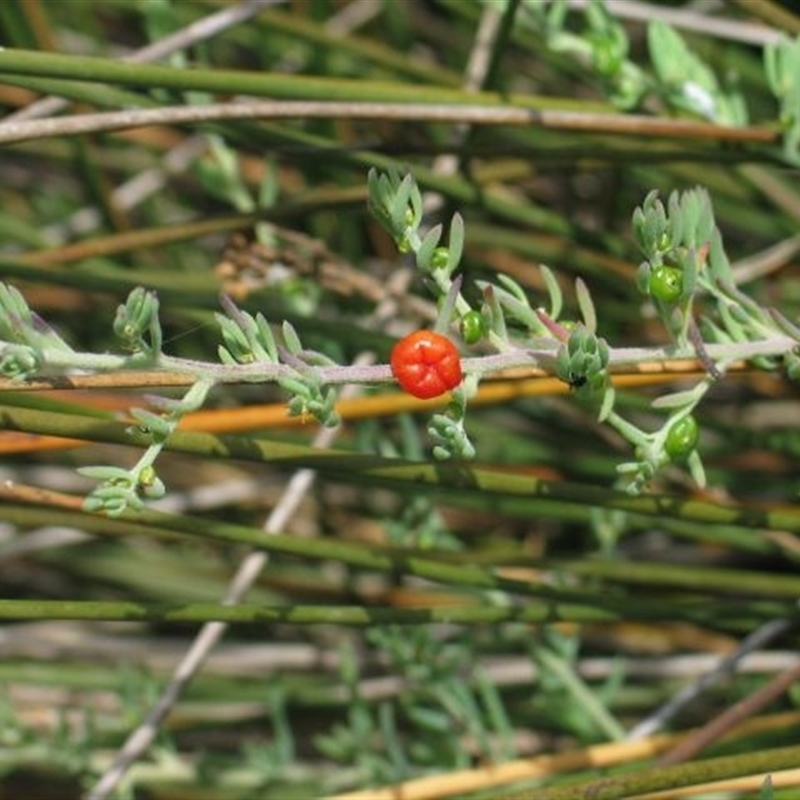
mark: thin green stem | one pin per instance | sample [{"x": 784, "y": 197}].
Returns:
[
  {"x": 258, "y": 84},
  {"x": 616, "y": 787},
  {"x": 457, "y": 483},
  {"x": 326, "y": 614},
  {"x": 693, "y": 579}
]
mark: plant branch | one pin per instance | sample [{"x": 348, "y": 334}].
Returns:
[
  {"x": 473, "y": 114},
  {"x": 540, "y": 355}
]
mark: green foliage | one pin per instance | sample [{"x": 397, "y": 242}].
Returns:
[
  {"x": 684, "y": 256},
  {"x": 782, "y": 66},
  {"x": 447, "y": 430},
  {"x": 675, "y": 243},
  {"x": 137, "y": 317},
  {"x": 680, "y": 78},
  {"x": 246, "y": 338},
  {"x": 604, "y": 46},
  {"x": 687, "y": 83},
  {"x": 23, "y": 337},
  {"x": 582, "y": 362},
  {"x": 415, "y": 613}
]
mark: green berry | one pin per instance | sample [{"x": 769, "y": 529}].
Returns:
[
  {"x": 682, "y": 438},
  {"x": 666, "y": 283},
  {"x": 473, "y": 327}
]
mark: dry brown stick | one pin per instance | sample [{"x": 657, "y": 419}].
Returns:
[{"x": 721, "y": 724}]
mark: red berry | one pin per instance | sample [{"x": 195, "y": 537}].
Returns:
[{"x": 426, "y": 364}]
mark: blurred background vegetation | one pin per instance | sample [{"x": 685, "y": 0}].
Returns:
[{"x": 409, "y": 625}]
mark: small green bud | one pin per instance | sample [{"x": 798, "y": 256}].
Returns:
[
  {"x": 606, "y": 56},
  {"x": 149, "y": 484},
  {"x": 792, "y": 363},
  {"x": 18, "y": 361},
  {"x": 440, "y": 258},
  {"x": 581, "y": 362},
  {"x": 404, "y": 244}
]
